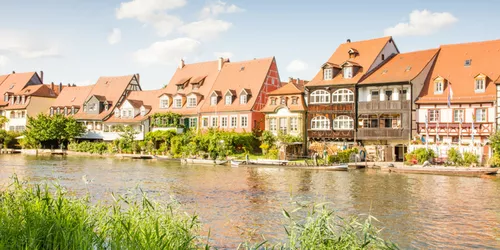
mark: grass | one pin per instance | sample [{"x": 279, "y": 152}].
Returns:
[{"x": 34, "y": 217}]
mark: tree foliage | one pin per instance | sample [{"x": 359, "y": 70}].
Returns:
[
  {"x": 168, "y": 119},
  {"x": 45, "y": 128}
]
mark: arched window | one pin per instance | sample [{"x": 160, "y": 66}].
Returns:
[
  {"x": 343, "y": 122},
  {"x": 320, "y": 96},
  {"x": 343, "y": 96},
  {"x": 320, "y": 123}
]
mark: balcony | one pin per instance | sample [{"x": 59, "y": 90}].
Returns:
[
  {"x": 382, "y": 133},
  {"x": 384, "y": 105}
]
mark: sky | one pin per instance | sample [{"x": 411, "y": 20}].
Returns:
[{"x": 77, "y": 41}]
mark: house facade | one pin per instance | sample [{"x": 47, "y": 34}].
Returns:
[
  {"x": 331, "y": 94},
  {"x": 458, "y": 102},
  {"x": 386, "y": 111},
  {"x": 239, "y": 94},
  {"x": 24, "y": 94}
]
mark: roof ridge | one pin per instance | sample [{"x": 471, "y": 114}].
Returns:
[{"x": 469, "y": 43}]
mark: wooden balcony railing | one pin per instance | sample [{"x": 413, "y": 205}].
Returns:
[
  {"x": 382, "y": 133},
  {"x": 384, "y": 105}
]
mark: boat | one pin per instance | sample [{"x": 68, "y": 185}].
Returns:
[
  {"x": 236, "y": 163},
  {"x": 341, "y": 167},
  {"x": 203, "y": 161},
  {"x": 459, "y": 171},
  {"x": 268, "y": 162}
]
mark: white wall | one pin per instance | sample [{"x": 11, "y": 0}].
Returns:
[
  {"x": 446, "y": 114},
  {"x": 389, "y": 49}
]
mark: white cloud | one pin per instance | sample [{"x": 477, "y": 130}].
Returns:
[
  {"x": 27, "y": 45},
  {"x": 3, "y": 60},
  {"x": 422, "y": 23},
  {"x": 226, "y": 54},
  {"x": 168, "y": 51},
  {"x": 215, "y": 8},
  {"x": 205, "y": 29},
  {"x": 152, "y": 12},
  {"x": 115, "y": 36},
  {"x": 296, "y": 66}
]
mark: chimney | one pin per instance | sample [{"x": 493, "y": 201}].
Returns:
[
  {"x": 298, "y": 80},
  {"x": 221, "y": 63},
  {"x": 52, "y": 86},
  {"x": 290, "y": 79},
  {"x": 348, "y": 40},
  {"x": 41, "y": 75},
  {"x": 181, "y": 64},
  {"x": 60, "y": 87},
  {"x": 69, "y": 84},
  {"x": 13, "y": 72},
  {"x": 74, "y": 85}
]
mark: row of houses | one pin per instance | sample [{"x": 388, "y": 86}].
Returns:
[{"x": 366, "y": 93}]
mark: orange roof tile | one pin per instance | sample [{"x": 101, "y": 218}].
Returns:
[
  {"x": 112, "y": 88},
  {"x": 72, "y": 96},
  {"x": 148, "y": 98},
  {"x": 37, "y": 90},
  {"x": 291, "y": 87},
  {"x": 249, "y": 75},
  {"x": 206, "y": 72},
  {"x": 401, "y": 67},
  {"x": 450, "y": 64},
  {"x": 368, "y": 51},
  {"x": 15, "y": 82}
]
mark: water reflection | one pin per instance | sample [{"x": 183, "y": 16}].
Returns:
[{"x": 238, "y": 204}]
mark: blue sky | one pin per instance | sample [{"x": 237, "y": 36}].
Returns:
[{"x": 76, "y": 41}]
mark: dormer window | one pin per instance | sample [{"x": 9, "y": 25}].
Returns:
[
  {"x": 124, "y": 113},
  {"x": 196, "y": 86},
  {"x": 180, "y": 87},
  {"x": 117, "y": 113},
  {"x": 164, "y": 102},
  {"x": 178, "y": 102},
  {"x": 23, "y": 99},
  {"x": 6, "y": 97},
  {"x": 438, "y": 85},
  {"x": 191, "y": 102},
  {"x": 243, "y": 99},
  {"x": 347, "y": 72},
  {"x": 92, "y": 107},
  {"x": 328, "y": 74},
  {"x": 480, "y": 83},
  {"x": 58, "y": 110},
  {"x": 353, "y": 53},
  {"x": 213, "y": 100},
  {"x": 229, "y": 99},
  {"x": 143, "y": 111},
  {"x": 273, "y": 101}
]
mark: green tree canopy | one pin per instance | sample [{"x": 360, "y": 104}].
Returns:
[{"x": 47, "y": 128}]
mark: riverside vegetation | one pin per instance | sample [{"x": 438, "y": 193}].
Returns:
[{"x": 39, "y": 216}]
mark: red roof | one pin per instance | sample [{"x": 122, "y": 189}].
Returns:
[
  {"x": 451, "y": 65},
  {"x": 72, "y": 96},
  {"x": 401, "y": 67},
  {"x": 366, "y": 53},
  {"x": 148, "y": 98}
]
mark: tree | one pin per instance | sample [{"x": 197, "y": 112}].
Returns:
[
  {"x": 128, "y": 134},
  {"x": 3, "y": 120},
  {"x": 45, "y": 128}
]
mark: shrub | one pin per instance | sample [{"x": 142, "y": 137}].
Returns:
[
  {"x": 344, "y": 155},
  {"x": 470, "y": 158},
  {"x": 410, "y": 159},
  {"x": 423, "y": 154},
  {"x": 494, "y": 161},
  {"x": 272, "y": 153},
  {"x": 455, "y": 157}
]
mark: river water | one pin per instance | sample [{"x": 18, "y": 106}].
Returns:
[{"x": 245, "y": 203}]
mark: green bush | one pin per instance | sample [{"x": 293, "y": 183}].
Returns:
[
  {"x": 423, "y": 155},
  {"x": 455, "y": 157},
  {"x": 470, "y": 158},
  {"x": 272, "y": 153},
  {"x": 344, "y": 155}
]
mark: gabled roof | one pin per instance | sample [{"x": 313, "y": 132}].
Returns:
[
  {"x": 368, "y": 51},
  {"x": 135, "y": 103},
  {"x": 450, "y": 64},
  {"x": 401, "y": 67},
  {"x": 231, "y": 91},
  {"x": 196, "y": 72},
  {"x": 72, "y": 96},
  {"x": 150, "y": 101},
  {"x": 111, "y": 88},
  {"x": 237, "y": 76},
  {"x": 293, "y": 86},
  {"x": 37, "y": 90}
]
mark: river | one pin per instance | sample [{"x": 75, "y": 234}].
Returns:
[{"x": 245, "y": 204}]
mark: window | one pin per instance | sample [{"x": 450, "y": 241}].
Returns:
[
  {"x": 294, "y": 124},
  {"x": 213, "y": 100},
  {"x": 283, "y": 101},
  {"x": 196, "y": 86},
  {"x": 193, "y": 122},
  {"x": 343, "y": 96},
  {"x": 229, "y": 99},
  {"x": 143, "y": 112},
  {"x": 164, "y": 103},
  {"x": 23, "y": 99},
  {"x": 180, "y": 87},
  {"x": 51, "y": 110},
  {"x": 65, "y": 110},
  {"x": 6, "y": 98},
  {"x": 223, "y": 121},
  {"x": 92, "y": 107},
  {"x": 58, "y": 110},
  {"x": 433, "y": 115},
  {"x": 369, "y": 121},
  {"x": 343, "y": 122},
  {"x": 375, "y": 95},
  {"x": 347, "y": 72},
  {"x": 243, "y": 99},
  {"x": 458, "y": 115},
  {"x": 320, "y": 96},
  {"x": 244, "y": 121},
  {"x": 273, "y": 101},
  {"x": 479, "y": 86},
  {"x": 18, "y": 99},
  {"x": 272, "y": 124},
  {"x": 192, "y": 102},
  {"x": 438, "y": 86},
  {"x": 117, "y": 112},
  {"x": 404, "y": 94},
  {"x": 320, "y": 123},
  {"x": 388, "y": 95},
  {"x": 467, "y": 62},
  {"x": 234, "y": 121},
  {"x": 204, "y": 122},
  {"x": 481, "y": 115},
  {"x": 295, "y": 100},
  {"x": 178, "y": 103},
  {"x": 383, "y": 57},
  {"x": 328, "y": 74},
  {"x": 130, "y": 113},
  {"x": 214, "y": 121}
]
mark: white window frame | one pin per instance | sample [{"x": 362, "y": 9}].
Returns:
[
  {"x": 343, "y": 122},
  {"x": 235, "y": 121},
  {"x": 164, "y": 103},
  {"x": 294, "y": 124},
  {"x": 243, "y": 121},
  {"x": 272, "y": 124},
  {"x": 243, "y": 99},
  {"x": 224, "y": 121},
  {"x": 214, "y": 121},
  {"x": 347, "y": 72},
  {"x": 343, "y": 96},
  {"x": 438, "y": 86},
  {"x": 320, "y": 96},
  {"x": 456, "y": 117},
  {"x": 480, "y": 84},
  {"x": 117, "y": 112},
  {"x": 177, "y": 103},
  {"x": 481, "y": 115},
  {"x": 328, "y": 74},
  {"x": 213, "y": 100},
  {"x": 228, "y": 99},
  {"x": 434, "y": 115},
  {"x": 192, "y": 102},
  {"x": 203, "y": 119},
  {"x": 320, "y": 123},
  {"x": 143, "y": 111},
  {"x": 193, "y": 122}
]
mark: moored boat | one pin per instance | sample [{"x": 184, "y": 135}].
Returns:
[
  {"x": 236, "y": 163},
  {"x": 203, "y": 161},
  {"x": 460, "y": 171}
]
